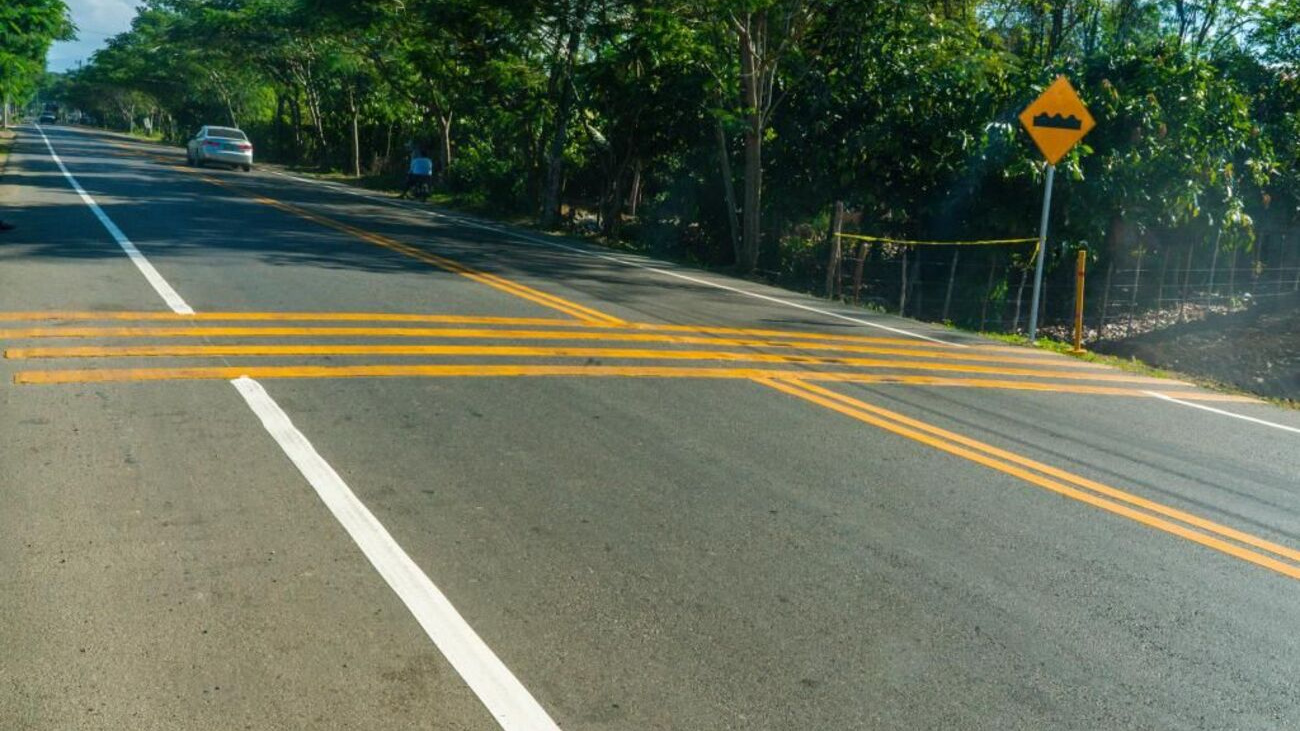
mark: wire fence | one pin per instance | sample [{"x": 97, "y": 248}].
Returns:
[{"x": 989, "y": 288}]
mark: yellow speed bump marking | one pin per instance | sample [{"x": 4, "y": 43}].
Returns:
[
  {"x": 138, "y": 351},
  {"x": 780, "y": 338},
  {"x": 1110, "y": 499},
  {"x": 644, "y": 335},
  {"x": 554, "y": 352},
  {"x": 92, "y": 316},
  {"x": 576, "y": 371}
]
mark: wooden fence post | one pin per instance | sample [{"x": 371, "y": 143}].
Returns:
[
  {"x": 902, "y": 290},
  {"x": 833, "y": 266},
  {"x": 1187, "y": 279},
  {"x": 863, "y": 248},
  {"x": 1105, "y": 300},
  {"x": 952, "y": 276},
  {"x": 1020, "y": 296},
  {"x": 988, "y": 290},
  {"x": 1133, "y": 298}
]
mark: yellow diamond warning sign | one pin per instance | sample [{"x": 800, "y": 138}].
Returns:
[{"x": 1057, "y": 120}]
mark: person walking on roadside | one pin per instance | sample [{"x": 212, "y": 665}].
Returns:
[{"x": 421, "y": 171}]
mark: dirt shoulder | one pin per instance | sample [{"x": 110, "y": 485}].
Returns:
[{"x": 1256, "y": 351}]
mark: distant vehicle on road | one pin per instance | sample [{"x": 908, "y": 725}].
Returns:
[
  {"x": 225, "y": 145},
  {"x": 46, "y": 118}
]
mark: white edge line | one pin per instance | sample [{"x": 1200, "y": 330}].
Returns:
[
  {"x": 1221, "y": 412},
  {"x": 506, "y": 699},
  {"x": 623, "y": 261},
  {"x": 504, "y": 696},
  {"x": 160, "y": 285}
]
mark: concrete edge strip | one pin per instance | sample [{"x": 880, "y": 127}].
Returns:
[{"x": 509, "y": 702}]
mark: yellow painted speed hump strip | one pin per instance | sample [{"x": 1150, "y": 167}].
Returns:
[{"x": 1057, "y": 120}]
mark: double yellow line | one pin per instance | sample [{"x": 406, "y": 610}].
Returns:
[
  {"x": 536, "y": 296},
  {"x": 1235, "y": 543},
  {"x": 499, "y": 283}
]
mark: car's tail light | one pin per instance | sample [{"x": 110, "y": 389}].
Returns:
[
  {"x": 210, "y": 143},
  {"x": 244, "y": 146}
]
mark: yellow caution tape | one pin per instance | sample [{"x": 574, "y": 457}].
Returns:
[{"x": 882, "y": 240}]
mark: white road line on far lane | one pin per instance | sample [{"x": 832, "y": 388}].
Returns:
[
  {"x": 1221, "y": 412},
  {"x": 503, "y": 695},
  {"x": 160, "y": 285},
  {"x": 506, "y": 699},
  {"x": 627, "y": 262}
]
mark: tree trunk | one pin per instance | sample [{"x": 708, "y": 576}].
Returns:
[
  {"x": 279, "y": 123},
  {"x": 729, "y": 191},
  {"x": 752, "y": 34},
  {"x": 444, "y": 129},
  {"x": 634, "y": 197},
  {"x": 562, "y": 84},
  {"x": 356, "y": 134}
]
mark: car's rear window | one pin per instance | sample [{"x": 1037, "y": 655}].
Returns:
[{"x": 226, "y": 133}]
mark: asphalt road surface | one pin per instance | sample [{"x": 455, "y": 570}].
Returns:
[{"x": 282, "y": 455}]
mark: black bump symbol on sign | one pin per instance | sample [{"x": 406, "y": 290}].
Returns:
[{"x": 1056, "y": 121}]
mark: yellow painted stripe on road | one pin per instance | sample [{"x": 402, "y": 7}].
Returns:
[
  {"x": 1060, "y": 474},
  {"x": 608, "y": 335},
  {"x": 553, "y": 352},
  {"x": 491, "y": 280},
  {"x": 931, "y": 436},
  {"x": 91, "y": 316},
  {"x": 521, "y": 370},
  {"x": 784, "y": 338},
  {"x": 264, "y": 350}
]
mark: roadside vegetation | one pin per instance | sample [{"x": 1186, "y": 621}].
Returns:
[
  {"x": 27, "y": 28},
  {"x": 723, "y": 132}
]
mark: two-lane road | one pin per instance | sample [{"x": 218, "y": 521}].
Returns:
[{"x": 286, "y": 455}]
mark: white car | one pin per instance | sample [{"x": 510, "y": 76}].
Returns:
[{"x": 220, "y": 144}]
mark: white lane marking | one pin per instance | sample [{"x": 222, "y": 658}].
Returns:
[
  {"x": 1221, "y": 412},
  {"x": 505, "y": 697},
  {"x": 509, "y": 702},
  {"x": 156, "y": 280},
  {"x": 626, "y": 262}
]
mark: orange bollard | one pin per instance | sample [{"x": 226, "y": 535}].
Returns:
[{"x": 1078, "y": 300}]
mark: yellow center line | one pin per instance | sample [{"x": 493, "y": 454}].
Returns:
[
  {"x": 497, "y": 282},
  {"x": 1059, "y": 474},
  {"x": 595, "y": 371},
  {"x": 1015, "y": 465},
  {"x": 571, "y": 352}
]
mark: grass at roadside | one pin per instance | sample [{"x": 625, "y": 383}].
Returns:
[{"x": 1133, "y": 365}]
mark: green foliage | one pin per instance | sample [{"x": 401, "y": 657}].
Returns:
[
  {"x": 904, "y": 110},
  {"x": 27, "y": 28}
]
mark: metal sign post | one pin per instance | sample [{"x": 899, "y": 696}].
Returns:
[
  {"x": 1042, "y": 253},
  {"x": 1056, "y": 121}
]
